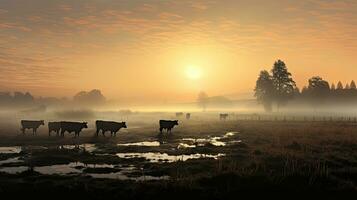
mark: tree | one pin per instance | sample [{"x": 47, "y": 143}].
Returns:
[
  {"x": 284, "y": 85},
  {"x": 339, "y": 86},
  {"x": 264, "y": 90},
  {"x": 92, "y": 97},
  {"x": 333, "y": 86},
  {"x": 353, "y": 85},
  {"x": 202, "y": 100},
  {"x": 318, "y": 90},
  {"x": 347, "y": 87}
]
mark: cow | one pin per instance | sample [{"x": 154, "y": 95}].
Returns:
[
  {"x": 55, "y": 127},
  {"x": 168, "y": 125},
  {"x": 223, "y": 116},
  {"x": 188, "y": 116},
  {"x": 111, "y": 126},
  {"x": 70, "y": 127},
  {"x": 29, "y": 124},
  {"x": 179, "y": 114}
]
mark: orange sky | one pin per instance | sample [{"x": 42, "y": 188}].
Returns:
[{"x": 136, "y": 50}]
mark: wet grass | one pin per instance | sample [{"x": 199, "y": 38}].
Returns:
[{"x": 299, "y": 157}]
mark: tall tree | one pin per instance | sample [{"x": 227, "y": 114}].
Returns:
[
  {"x": 318, "y": 90},
  {"x": 353, "y": 85},
  {"x": 339, "y": 86},
  {"x": 202, "y": 100},
  {"x": 347, "y": 87},
  {"x": 284, "y": 85},
  {"x": 333, "y": 86},
  {"x": 264, "y": 90}
]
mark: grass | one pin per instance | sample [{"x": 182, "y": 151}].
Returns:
[{"x": 300, "y": 157}]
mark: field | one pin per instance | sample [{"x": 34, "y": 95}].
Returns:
[{"x": 203, "y": 157}]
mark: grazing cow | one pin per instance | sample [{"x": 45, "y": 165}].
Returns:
[
  {"x": 34, "y": 125},
  {"x": 70, "y": 127},
  {"x": 223, "y": 116},
  {"x": 111, "y": 126},
  {"x": 55, "y": 127},
  {"x": 167, "y": 124},
  {"x": 179, "y": 114},
  {"x": 188, "y": 115}
]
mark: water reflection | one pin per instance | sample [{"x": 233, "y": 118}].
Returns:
[
  {"x": 8, "y": 150},
  {"x": 215, "y": 141},
  {"x": 156, "y": 157},
  {"x": 145, "y": 144}
]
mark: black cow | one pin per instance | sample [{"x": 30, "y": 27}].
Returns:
[
  {"x": 111, "y": 126},
  {"x": 34, "y": 125},
  {"x": 168, "y": 125},
  {"x": 223, "y": 116},
  {"x": 70, "y": 127},
  {"x": 55, "y": 127}
]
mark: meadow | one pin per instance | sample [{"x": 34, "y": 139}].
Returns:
[{"x": 203, "y": 157}]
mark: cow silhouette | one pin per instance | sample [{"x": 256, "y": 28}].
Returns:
[
  {"x": 223, "y": 116},
  {"x": 111, "y": 126},
  {"x": 70, "y": 127},
  {"x": 31, "y": 124},
  {"x": 188, "y": 116},
  {"x": 168, "y": 125},
  {"x": 54, "y": 127}
]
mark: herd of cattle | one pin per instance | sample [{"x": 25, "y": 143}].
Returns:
[{"x": 60, "y": 128}]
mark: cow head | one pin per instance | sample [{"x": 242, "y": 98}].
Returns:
[
  {"x": 176, "y": 122},
  {"x": 85, "y": 124},
  {"x": 124, "y": 125},
  {"x": 42, "y": 122}
]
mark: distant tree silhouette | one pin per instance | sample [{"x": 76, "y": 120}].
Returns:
[
  {"x": 333, "y": 86},
  {"x": 353, "y": 85},
  {"x": 347, "y": 87},
  {"x": 264, "y": 90},
  {"x": 339, "y": 86},
  {"x": 202, "y": 100},
  {"x": 284, "y": 85},
  {"x": 91, "y": 97},
  {"x": 318, "y": 90}
]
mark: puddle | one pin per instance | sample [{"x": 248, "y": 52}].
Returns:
[
  {"x": 145, "y": 144},
  {"x": 11, "y": 160},
  {"x": 215, "y": 141},
  {"x": 8, "y": 150},
  {"x": 85, "y": 147},
  {"x": 14, "y": 170},
  {"x": 185, "y": 146},
  {"x": 164, "y": 157},
  {"x": 76, "y": 168},
  {"x": 59, "y": 169}
]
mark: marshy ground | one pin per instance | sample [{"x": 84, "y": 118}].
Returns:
[{"x": 201, "y": 158}]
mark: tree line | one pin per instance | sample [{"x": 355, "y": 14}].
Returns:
[
  {"x": 277, "y": 87},
  {"x": 26, "y": 99}
]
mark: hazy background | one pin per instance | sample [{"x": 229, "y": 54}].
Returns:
[{"x": 139, "y": 52}]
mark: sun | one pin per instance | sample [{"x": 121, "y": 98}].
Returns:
[{"x": 193, "y": 72}]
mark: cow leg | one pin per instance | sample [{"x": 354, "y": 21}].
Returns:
[
  {"x": 160, "y": 130},
  {"x": 97, "y": 132}
]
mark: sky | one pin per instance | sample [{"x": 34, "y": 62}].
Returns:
[{"x": 170, "y": 50}]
